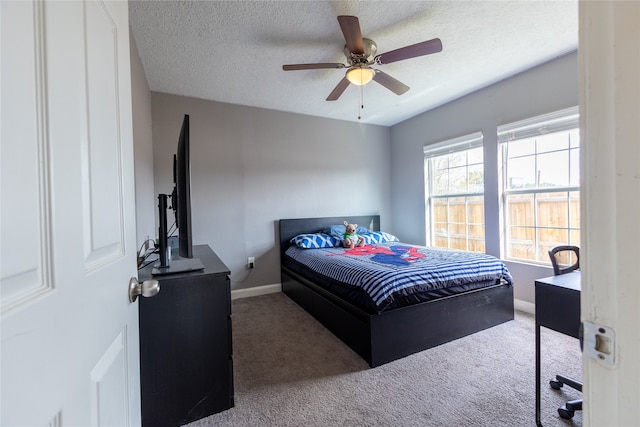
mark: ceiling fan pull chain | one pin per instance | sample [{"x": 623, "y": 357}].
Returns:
[{"x": 361, "y": 107}]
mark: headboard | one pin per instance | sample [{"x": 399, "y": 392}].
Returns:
[{"x": 289, "y": 228}]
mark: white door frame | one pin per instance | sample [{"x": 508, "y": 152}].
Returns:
[{"x": 609, "y": 66}]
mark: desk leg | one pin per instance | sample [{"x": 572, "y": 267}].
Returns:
[{"x": 538, "y": 422}]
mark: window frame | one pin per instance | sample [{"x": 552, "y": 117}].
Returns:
[
  {"x": 442, "y": 148},
  {"x": 565, "y": 120}
]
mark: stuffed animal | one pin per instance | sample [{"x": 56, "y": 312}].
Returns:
[{"x": 350, "y": 238}]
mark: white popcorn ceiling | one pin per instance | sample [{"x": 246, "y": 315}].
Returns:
[{"x": 233, "y": 51}]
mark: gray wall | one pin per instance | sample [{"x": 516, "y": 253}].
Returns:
[
  {"x": 251, "y": 167},
  {"x": 143, "y": 149},
  {"x": 550, "y": 87}
]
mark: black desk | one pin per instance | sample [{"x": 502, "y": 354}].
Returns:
[{"x": 557, "y": 308}]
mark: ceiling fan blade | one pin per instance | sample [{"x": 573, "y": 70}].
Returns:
[
  {"x": 337, "y": 91},
  {"x": 293, "y": 67},
  {"x": 419, "y": 49},
  {"x": 350, "y": 27},
  {"x": 395, "y": 86}
]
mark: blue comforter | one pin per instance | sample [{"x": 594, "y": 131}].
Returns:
[{"x": 387, "y": 270}]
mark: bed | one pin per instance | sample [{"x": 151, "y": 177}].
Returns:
[{"x": 389, "y": 327}]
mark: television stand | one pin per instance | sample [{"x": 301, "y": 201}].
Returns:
[
  {"x": 165, "y": 265},
  {"x": 180, "y": 265}
]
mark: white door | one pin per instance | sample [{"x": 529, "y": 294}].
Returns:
[
  {"x": 69, "y": 344},
  {"x": 609, "y": 55}
]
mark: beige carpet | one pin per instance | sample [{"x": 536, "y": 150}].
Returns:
[{"x": 290, "y": 371}]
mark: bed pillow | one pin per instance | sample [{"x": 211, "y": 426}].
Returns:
[
  {"x": 339, "y": 230},
  {"x": 315, "y": 241},
  {"x": 379, "y": 237}
]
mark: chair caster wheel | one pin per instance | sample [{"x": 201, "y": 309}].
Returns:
[
  {"x": 556, "y": 385},
  {"x": 565, "y": 413}
]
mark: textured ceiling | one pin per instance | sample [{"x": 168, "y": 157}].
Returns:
[{"x": 233, "y": 51}]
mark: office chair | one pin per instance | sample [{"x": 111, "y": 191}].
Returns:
[{"x": 556, "y": 254}]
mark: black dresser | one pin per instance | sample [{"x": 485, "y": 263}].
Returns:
[{"x": 186, "y": 359}]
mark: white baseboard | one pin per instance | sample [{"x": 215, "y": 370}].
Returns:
[
  {"x": 255, "y": 291},
  {"x": 525, "y": 306}
]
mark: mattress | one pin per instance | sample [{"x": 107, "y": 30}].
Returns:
[{"x": 390, "y": 275}]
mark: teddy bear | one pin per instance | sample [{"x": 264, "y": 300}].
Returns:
[{"x": 351, "y": 239}]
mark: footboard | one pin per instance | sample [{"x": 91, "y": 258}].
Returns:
[{"x": 382, "y": 338}]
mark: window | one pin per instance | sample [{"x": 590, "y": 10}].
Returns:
[
  {"x": 454, "y": 171},
  {"x": 540, "y": 185}
]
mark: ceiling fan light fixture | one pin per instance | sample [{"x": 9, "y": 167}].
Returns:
[{"x": 360, "y": 76}]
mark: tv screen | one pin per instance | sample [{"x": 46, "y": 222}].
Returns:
[{"x": 182, "y": 202}]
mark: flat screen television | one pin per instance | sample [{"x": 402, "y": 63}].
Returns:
[
  {"x": 181, "y": 205},
  {"x": 181, "y": 197}
]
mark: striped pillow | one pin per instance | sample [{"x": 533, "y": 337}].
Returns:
[
  {"x": 379, "y": 237},
  {"x": 315, "y": 241}
]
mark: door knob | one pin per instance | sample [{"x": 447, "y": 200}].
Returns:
[{"x": 148, "y": 288}]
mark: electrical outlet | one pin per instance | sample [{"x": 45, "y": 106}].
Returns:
[{"x": 251, "y": 262}]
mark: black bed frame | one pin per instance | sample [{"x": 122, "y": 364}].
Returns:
[{"x": 391, "y": 335}]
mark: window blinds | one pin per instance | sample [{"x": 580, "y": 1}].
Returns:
[
  {"x": 449, "y": 146},
  {"x": 548, "y": 123}
]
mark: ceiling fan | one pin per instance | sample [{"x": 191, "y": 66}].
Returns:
[{"x": 361, "y": 54}]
